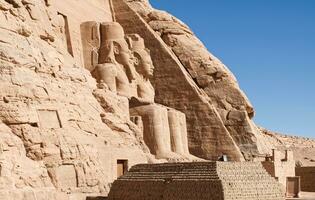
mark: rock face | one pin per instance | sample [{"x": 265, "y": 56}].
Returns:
[
  {"x": 20, "y": 176},
  {"x": 66, "y": 132},
  {"x": 220, "y": 110},
  {"x": 203, "y": 180},
  {"x": 61, "y": 132},
  {"x": 208, "y": 137}
]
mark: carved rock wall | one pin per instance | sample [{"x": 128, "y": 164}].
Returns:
[
  {"x": 211, "y": 79},
  {"x": 77, "y": 13},
  {"x": 208, "y": 137},
  {"x": 61, "y": 137},
  {"x": 66, "y": 133}
]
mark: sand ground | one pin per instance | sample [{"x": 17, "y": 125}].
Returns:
[{"x": 305, "y": 196}]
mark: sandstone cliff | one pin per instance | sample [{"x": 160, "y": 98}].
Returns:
[
  {"x": 220, "y": 108},
  {"x": 21, "y": 177},
  {"x": 60, "y": 132}
]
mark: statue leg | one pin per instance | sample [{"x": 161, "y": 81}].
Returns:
[
  {"x": 156, "y": 132},
  {"x": 177, "y": 134},
  {"x": 178, "y": 131},
  {"x": 161, "y": 132},
  {"x": 183, "y": 125}
]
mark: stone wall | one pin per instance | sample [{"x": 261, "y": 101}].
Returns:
[
  {"x": 307, "y": 175},
  {"x": 248, "y": 180},
  {"x": 207, "y": 180},
  {"x": 281, "y": 166}
]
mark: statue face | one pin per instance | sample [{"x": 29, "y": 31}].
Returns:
[
  {"x": 147, "y": 66},
  {"x": 144, "y": 63},
  {"x": 123, "y": 53}
]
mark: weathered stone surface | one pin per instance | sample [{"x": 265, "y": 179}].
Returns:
[
  {"x": 65, "y": 124},
  {"x": 62, "y": 134},
  {"x": 208, "y": 137},
  {"x": 21, "y": 177},
  {"x": 307, "y": 175}
]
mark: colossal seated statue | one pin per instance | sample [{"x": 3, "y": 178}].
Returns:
[
  {"x": 125, "y": 66},
  {"x": 164, "y": 128},
  {"x": 114, "y": 66}
]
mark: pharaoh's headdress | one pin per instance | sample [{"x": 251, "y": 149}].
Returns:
[
  {"x": 141, "y": 54},
  {"x": 110, "y": 32},
  {"x": 136, "y": 43}
]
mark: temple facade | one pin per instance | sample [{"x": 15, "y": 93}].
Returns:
[{"x": 91, "y": 88}]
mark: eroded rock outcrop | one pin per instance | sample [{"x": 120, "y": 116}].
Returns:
[{"x": 20, "y": 176}]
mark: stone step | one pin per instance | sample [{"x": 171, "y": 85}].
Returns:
[{"x": 218, "y": 180}]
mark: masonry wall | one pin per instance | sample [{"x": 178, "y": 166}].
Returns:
[
  {"x": 187, "y": 181},
  {"x": 281, "y": 166},
  {"x": 307, "y": 175},
  {"x": 280, "y": 170},
  {"x": 247, "y": 181}
]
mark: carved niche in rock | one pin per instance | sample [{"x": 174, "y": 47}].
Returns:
[{"x": 49, "y": 119}]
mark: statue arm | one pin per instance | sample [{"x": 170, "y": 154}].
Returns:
[
  {"x": 131, "y": 73},
  {"x": 141, "y": 101},
  {"x": 143, "y": 98}
]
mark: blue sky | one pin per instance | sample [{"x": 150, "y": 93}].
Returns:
[{"x": 270, "y": 47}]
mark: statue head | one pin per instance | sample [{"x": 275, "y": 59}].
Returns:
[
  {"x": 113, "y": 44},
  {"x": 114, "y": 48},
  {"x": 142, "y": 58}
]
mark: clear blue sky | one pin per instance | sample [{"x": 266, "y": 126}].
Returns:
[{"x": 270, "y": 47}]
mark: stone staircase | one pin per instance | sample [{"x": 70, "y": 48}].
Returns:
[{"x": 196, "y": 181}]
